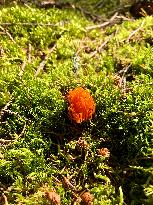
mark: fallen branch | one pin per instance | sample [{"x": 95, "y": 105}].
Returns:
[
  {"x": 23, "y": 131},
  {"x": 88, "y": 13},
  {"x": 124, "y": 18},
  {"x": 28, "y": 59},
  {"x": 29, "y": 52},
  {"x": 135, "y": 31},
  {"x": 43, "y": 63},
  {"x": 33, "y": 24},
  {"x": 100, "y": 4},
  {"x": 10, "y": 112},
  {"x": 3, "y": 141},
  {"x": 7, "y": 33},
  {"x": 53, "y": 3},
  {"x": 103, "y": 24},
  {"x": 22, "y": 68},
  {"x": 98, "y": 50},
  {"x": 5, "y": 108},
  {"x": 68, "y": 184},
  {"x": 121, "y": 80},
  {"x": 60, "y": 5},
  {"x": 5, "y": 199}
]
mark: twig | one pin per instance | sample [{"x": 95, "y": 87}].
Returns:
[
  {"x": 5, "y": 199},
  {"x": 29, "y": 53},
  {"x": 1, "y": 157},
  {"x": 50, "y": 4},
  {"x": 43, "y": 63},
  {"x": 23, "y": 131},
  {"x": 135, "y": 31},
  {"x": 68, "y": 184},
  {"x": 124, "y": 70},
  {"x": 98, "y": 50},
  {"x": 10, "y": 112},
  {"x": 22, "y": 68},
  {"x": 124, "y": 18},
  {"x": 99, "y": 4},
  {"x": 7, "y": 33},
  {"x": 88, "y": 13},
  {"x": 103, "y": 24},
  {"x": 5, "y": 108},
  {"x": 58, "y": 181},
  {"x": 3, "y": 141},
  {"x": 122, "y": 79},
  {"x": 25, "y": 60},
  {"x": 33, "y": 24},
  {"x": 145, "y": 158}
]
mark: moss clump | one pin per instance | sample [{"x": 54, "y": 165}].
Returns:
[{"x": 45, "y": 54}]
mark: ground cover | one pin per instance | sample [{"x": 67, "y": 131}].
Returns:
[{"x": 50, "y": 153}]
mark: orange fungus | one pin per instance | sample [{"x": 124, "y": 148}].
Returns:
[{"x": 81, "y": 105}]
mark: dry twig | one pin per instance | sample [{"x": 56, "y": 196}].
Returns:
[
  {"x": 103, "y": 25},
  {"x": 100, "y": 4},
  {"x": 3, "y": 141},
  {"x": 22, "y": 68},
  {"x": 68, "y": 184},
  {"x": 28, "y": 59},
  {"x": 122, "y": 79},
  {"x": 5, "y": 108},
  {"x": 7, "y": 33},
  {"x": 61, "y": 23},
  {"x": 135, "y": 31},
  {"x": 124, "y": 18},
  {"x": 94, "y": 17},
  {"x": 98, "y": 50},
  {"x": 9, "y": 111},
  {"x": 5, "y": 199},
  {"x": 43, "y": 63},
  {"x": 23, "y": 131},
  {"x": 29, "y": 52}
]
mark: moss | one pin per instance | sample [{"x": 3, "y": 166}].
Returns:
[{"x": 45, "y": 53}]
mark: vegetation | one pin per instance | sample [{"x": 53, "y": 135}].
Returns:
[{"x": 46, "y": 54}]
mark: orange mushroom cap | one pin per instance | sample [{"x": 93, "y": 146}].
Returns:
[{"x": 81, "y": 105}]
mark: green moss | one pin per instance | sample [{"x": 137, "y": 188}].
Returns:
[{"x": 34, "y": 109}]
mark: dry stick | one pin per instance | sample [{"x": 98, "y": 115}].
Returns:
[
  {"x": 124, "y": 18},
  {"x": 22, "y": 68},
  {"x": 5, "y": 199},
  {"x": 33, "y": 24},
  {"x": 7, "y": 33},
  {"x": 99, "y": 48},
  {"x": 123, "y": 79},
  {"x": 145, "y": 158},
  {"x": 56, "y": 179},
  {"x": 3, "y": 141},
  {"x": 43, "y": 63},
  {"x": 5, "y": 108},
  {"x": 25, "y": 60},
  {"x": 135, "y": 31},
  {"x": 68, "y": 184},
  {"x": 103, "y": 24},
  {"x": 88, "y": 13},
  {"x": 99, "y": 4},
  {"x": 10, "y": 112},
  {"x": 23, "y": 131},
  {"x": 29, "y": 53}
]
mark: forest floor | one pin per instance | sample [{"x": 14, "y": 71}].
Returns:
[{"x": 76, "y": 103}]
